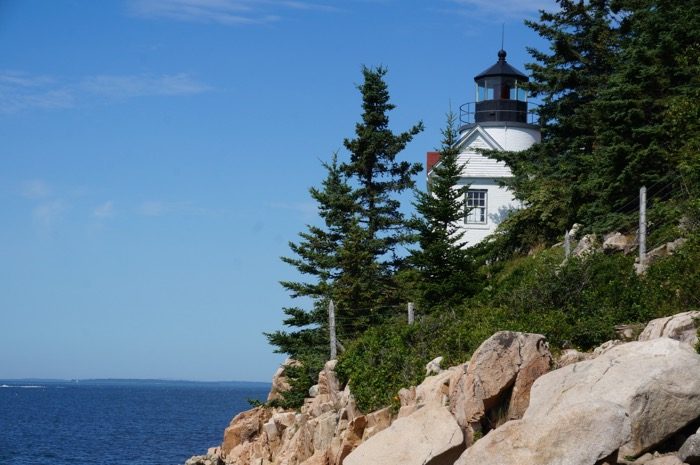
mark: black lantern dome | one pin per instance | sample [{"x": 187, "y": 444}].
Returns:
[{"x": 500, "y": 93}]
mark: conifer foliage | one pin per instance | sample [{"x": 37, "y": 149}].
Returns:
[
  {"x": 367, "y": 285},
  {"x": 613, "y": 86},
  {"x": 317, "y": 257},
  {"x": 374, "y": 168},
  {"x": 352, "y": 257},
  {"x": 446, "y": 273}
]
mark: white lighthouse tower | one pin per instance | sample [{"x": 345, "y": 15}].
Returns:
[{"x": 497, "y": 120}]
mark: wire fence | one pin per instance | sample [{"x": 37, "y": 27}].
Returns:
[
  {"x": 649, "y": 196},
  {"x": 343, "y": 323}
]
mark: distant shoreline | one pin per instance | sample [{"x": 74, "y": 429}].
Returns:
[{"x": 96, "y": 381}]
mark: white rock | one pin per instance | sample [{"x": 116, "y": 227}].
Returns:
[
  {"x": 430, "y": 436},
  {"x": 681, "y": 327},
  {"x": 605, "y": 346},
  {"x": 656, "y": 382},
  {"x": 665, "y": 460},
  {"x": 569, "y": 356},
  {"x": 579, "y": 435},
  {"x": 313, "y": 391},
  {"x": 433, "y": 366},
  {"x": 618, "y": 242},
  {"x": 586, "y": 246},
  {"x": 690, "y": 451}
]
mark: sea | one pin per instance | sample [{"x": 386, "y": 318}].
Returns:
[{"x": 116, "y": 422}]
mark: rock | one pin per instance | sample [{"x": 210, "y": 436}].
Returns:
[
  {"x": 681, "y": 327},
  {"x": 376, "y": 422},
  {"x": 665, "y": 460},
  {"x": 407, "y": 396},
  {"x": 582, "y": 434},
  {"x": 656, "y": 382},
  {"x": 283, "y": 420},
  {"x": 352, "y": 438},
  {"x": 642, "y": 459},
  {"x": 348, "y": 406},
  {"x": 605, "y": 346},
  {"x": 319, "y": 458},
  {"x": 313, "y": 391},
  {"x": 575, "y": 229},
  {"x": 324, "y": 396},
  {"x": 244, "y": 427},
  {"x": 690, "y": 451},
  {"x": 672, "y": 247},
  {"x": 586, "y": 246},
  {"x": 506, "y": 360},
  {"x": 570, "y": 356},
  {"x": 327, "y": 380},
  {"x": 428, "y": 437},
  {"x": 628, "y": 332},
  {"x": 297, "y": 444},
  {"x": 407, "y": 410},
  {"x": 271, "y": 430},
  {"x": 433, "y": 366},
  {"x": 323, "y": 429},
  {"x": 659, "y": 252},
  {"x": 198, "y": 460},
  {"x": 536, "y": 361},
  {"x": 280, "y": 383},
  {"x": 665, "y": 250},
  {"x": 618, "y": 242},
  {"x": 434, "y": 389}
]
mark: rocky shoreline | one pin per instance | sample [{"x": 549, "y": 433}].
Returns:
[{"x": 513, "y": 403}]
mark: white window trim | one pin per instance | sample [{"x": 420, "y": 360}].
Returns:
[{"x": 485, "y": 208}]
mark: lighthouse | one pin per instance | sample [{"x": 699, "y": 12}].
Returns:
[{"x": 496, "y": 120}]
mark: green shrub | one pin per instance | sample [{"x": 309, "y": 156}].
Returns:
[
  {"x": 386, "y": 358},
  {"x": 577, "y": 304},
  {"x": 574, "y": 304},
  {"x": 671, "y": 284},
  {"x": 379, "y": 363},
  {"x": 300, "y": 378}
]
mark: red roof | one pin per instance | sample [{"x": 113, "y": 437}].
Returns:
[{"x": 431, "y": 158}]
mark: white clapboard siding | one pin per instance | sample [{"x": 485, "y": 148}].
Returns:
[
  {"x": 480, "y": 166},
  {"x": 483, "y": 173}
]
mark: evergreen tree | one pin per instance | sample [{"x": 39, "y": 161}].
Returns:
[
  {"x": 378, "y": 176},
  {"x": 446, "y": 272},
  {"x": 316, "y": 255},
  {"x": 639, "y": 133},
  {"x": 551, "y": 177}
]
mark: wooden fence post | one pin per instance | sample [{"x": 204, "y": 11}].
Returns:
[
  {"x": 642, "y": 226},
  {"x": 331, "y": 329}
]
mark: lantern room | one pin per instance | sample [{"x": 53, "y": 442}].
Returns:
[{"x": 501, "y": 93}]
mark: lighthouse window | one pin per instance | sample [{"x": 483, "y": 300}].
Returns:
[
  {"x": 505, "y": 91},
  {"x": 476, "y": 206},
  {"x": 486, "y": 90}
]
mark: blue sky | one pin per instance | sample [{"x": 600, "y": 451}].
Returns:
[{"x": 156, "y": 155}]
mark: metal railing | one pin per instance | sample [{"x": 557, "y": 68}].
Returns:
[{"x": 467, "y": 114}]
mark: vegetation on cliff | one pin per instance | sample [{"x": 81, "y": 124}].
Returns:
[{"x": 619, "y": 88}]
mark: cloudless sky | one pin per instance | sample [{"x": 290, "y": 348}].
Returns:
[{"x": 156, "y": 155}]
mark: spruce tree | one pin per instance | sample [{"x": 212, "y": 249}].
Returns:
[
  {"x": 552, "y": 178},
  {"x": 378, "y": 177},
  {"x": 317, "y": 256},
  {"x": 446, "y": 272},
  {"x": 639, "y": 132}
]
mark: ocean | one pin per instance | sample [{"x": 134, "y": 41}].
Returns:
[{"x": 116, "y": 422}]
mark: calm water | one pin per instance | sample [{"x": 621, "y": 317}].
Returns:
[{"x": 116, "y": 422}]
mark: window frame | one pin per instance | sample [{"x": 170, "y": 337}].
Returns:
[{"x": 471, "y": 210}]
